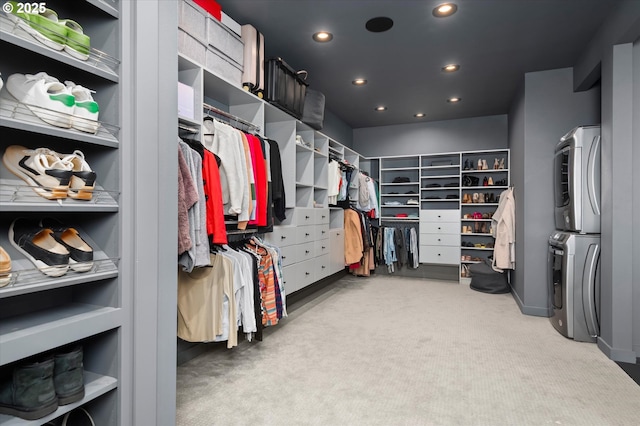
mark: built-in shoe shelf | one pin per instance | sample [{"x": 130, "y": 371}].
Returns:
[
  {"x": 17, "y": 196},
  {"x": 99, "y": 63},
  {"x": 95, "y": 385},
  {"x": 16, "y": 115},
  {"x": 22, "y": 336}
]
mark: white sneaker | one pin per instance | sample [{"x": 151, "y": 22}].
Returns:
[
  {"x": 86, "y": 110},
  {"x": 83, "y": 179},
  {"x": 45, "y": 96},
  {"x": 41, "y": 169}
]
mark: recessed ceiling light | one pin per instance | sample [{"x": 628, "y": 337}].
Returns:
[
  {"x": 381, "y": 108},
  {"x": 323, "y": 36},
  {"x": 379, "y": 24},
  {"x": 444, "y": 10},
  {"x": 451, "y": 68},
  {"x": 419, "y": 115},
  {"x": 359, "y": 82},
  {"x": 454, "y": 100}
]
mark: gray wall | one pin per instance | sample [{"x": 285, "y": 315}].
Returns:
[
  {"x": 545, "y": 110},
  {"x": 612, "y": 58},
  {"x": 466, "y": 134},
  {"x": 337, "y": 129}
]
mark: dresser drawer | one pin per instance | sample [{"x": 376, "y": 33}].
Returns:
[
  {"x": 281, "y": 236},
  {"x": 289, "y": 255},
  {"x": 304, "y": 234},
  {"x": 322, "y": 267},
  {"x": 446, "y": 255},
  {"x": 440, "y": 228},
  {"x": 322, "y": 231},
  {"x": 321, "y": 216},
  {"x": 303, "y": 216},
  {"x": 298, "y": 276},
  {"x": 321, "y": 247},
  {"x": 440, "y": 240},
  {"x": 439, "y": 215},
  {"x": 306, "y": 251}
]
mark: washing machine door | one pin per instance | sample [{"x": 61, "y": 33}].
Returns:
[
  {"x": 591, "y": 289},
  {"x": 557, "y": 290}
]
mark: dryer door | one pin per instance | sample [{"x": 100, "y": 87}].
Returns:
[{"x": 591, "y": 289}]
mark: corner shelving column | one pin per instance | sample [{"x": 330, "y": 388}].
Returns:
[
  {"x": 400, "y": 188},
  {"x": 480, "y": 192},
  {"x": 40, "y": 314}
]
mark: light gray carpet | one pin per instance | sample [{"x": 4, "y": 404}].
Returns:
[{"x": 389, "y": 350}]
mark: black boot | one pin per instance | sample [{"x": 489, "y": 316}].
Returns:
[
  {"x": 27, "y": 391},
  {"x": 68, "y": 376}
]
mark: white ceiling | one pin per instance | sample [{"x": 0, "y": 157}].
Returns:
[{"x": 494, "y": 41}]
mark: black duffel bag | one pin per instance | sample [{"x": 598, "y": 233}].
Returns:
[{"x": 286, "y": 88}]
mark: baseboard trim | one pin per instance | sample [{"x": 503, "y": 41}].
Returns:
[
  {"x": 618, "y": 355},
  {"x": 529, "y": 310}
]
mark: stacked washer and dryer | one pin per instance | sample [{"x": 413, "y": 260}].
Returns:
[{"x": 574, "y": 248}]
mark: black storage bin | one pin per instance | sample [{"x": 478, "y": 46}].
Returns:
[
  {"x": 486, "y": 280},
  {"x": 313, "y": 113},
  {"x": 285, "y": 87}
]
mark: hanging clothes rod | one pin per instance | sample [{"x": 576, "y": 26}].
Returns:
[
  {"x": 211, "y": 109},
  {"x": 187, "y": 128}
]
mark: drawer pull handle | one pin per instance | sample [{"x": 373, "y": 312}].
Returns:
[
  {"x": 323, "y": 266},
  {"x": 323, "y": 216},
  {"x": 306, "y": 251},
  {"x": 283, "y": 237},
  {"x": 323, "y": 247},
  {"x": 306, "y": 217},
  {"x": 307, "y": 273},
  {"x": 306, "y": 234},
  {"x": 439, "y": 239},
  {"x": 324, "y": 232},
  {"x": 284, "y": 257},
  {"x": 439, "y": 227}
]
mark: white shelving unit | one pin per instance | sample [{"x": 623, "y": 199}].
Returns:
[
  {"x": 311, "y": 227},
  {"x": 443, "y": 183}
]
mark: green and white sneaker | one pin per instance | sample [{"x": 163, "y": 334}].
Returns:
[
  {"x": 44, "y": 26},
  {"x": 86, "y": 110},
  {"x": 45, "y": 96},
  {"x": 77, "y": 43}
]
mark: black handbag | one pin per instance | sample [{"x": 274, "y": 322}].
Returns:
[{"x": 469, "y": 180}]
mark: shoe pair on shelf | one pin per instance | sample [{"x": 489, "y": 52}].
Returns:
[
  {"x": 498, "y": 164},
  {"x": 35, "y": 388},
  {"x": 44, "y": 25},
  {"x": 487, "y": 181},
  {"x": 51, "y": 175},
  {"x": 51, "y": 246},
  {"x": 67, "y": 105},
  {"x": 5, "y": 267}
]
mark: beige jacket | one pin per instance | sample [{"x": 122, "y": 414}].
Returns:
[{"x": 504, "y": 231}]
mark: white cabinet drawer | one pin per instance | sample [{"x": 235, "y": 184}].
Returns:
[
  {"x": 281, "y": 236},
  {"x": 304, "y": 234},
  {"x": 289, "y": 255},
  {"x": 302, "y": 216},
  {"x": 440, "y": 254},
  {"x": 298, "y": 276},
  {"x": 322, "y": 247},
  {"x": 440, "y": 228},
  {"x": 321, "y": 216},
  {"x": 322, "y": 231},
  {"x": 439, "y": 215},
  {"x": 322, "y": 267},
  {"x": 306, "y": 251},
  {"x": 440, "y": 239}
]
